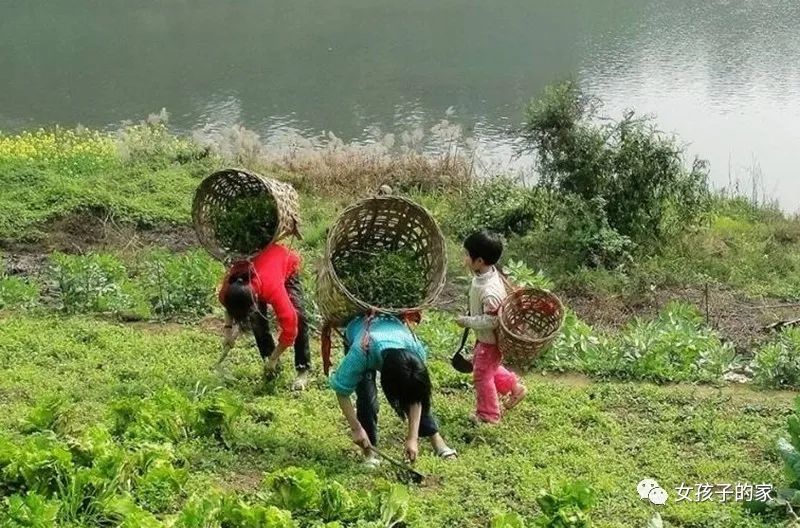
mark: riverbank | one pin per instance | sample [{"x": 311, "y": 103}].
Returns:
[{"x": 95, "y": 228}]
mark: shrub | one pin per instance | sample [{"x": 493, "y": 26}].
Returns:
[
  {"x": 521, "y": 275},
  {"x": 636, "y": 170},
  {"x": 89, "y": 283},
  {"x": 180, "y": 284},
  {"x": 501, "y": 205},
  {"x": 675, "y": 346},
  {"x": 777, "y": 364},
  {"x": 150, "y": 143}
]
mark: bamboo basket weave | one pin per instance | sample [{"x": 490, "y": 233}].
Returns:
[
  {"x": 220, "y": 191},
  {"x": 375, "y": 224},
  {"x": 530, "y": 320}
]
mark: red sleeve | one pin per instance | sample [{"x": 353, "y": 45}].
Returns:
[
  {"x": 292, "y": 263},
  {"x": 286, "y": 314}
]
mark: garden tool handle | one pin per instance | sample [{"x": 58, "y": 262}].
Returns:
[
  {"x": 397, "y": 463},
  {"x": 464, "y": 337}
]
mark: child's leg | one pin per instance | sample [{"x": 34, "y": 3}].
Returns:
[
  {"x": 505, "y": 380},
  {"x": 486, "y": 361},
  {"x": 367, "y": 406},
  {"x": 429, "y": 428},
  {"x": 302, "y": 353},
  {"x": 508, "y": 383},
  {"x": 260, "y": 327}
]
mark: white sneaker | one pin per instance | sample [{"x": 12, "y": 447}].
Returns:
[
  {"x": 300, "y": 382},
  {"x": 372, "y": 461}
]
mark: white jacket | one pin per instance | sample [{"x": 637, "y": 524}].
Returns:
[{"x": 485, "y": 296}]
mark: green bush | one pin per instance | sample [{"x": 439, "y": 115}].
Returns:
[
  {"x": 501, "y": 205},
  {"x": 637, "y": 171},
  {"x": 777, "y": 364},
  {"x": 180, "y": 285},
  {"x": 89, "y": 283}
]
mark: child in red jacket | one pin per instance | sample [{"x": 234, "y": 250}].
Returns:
[{"x": 270, "y": 278}]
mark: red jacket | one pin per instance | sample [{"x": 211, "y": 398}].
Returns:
[{"x": 268, "y": 272}]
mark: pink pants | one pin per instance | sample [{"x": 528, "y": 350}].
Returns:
[{"x": 490, "y": 378}]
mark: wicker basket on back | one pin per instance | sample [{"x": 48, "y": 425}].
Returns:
[
  {"x": 220, "y": 191},
  {"x": 530, "y": 320},
  {"x": 383, "y": 223}
]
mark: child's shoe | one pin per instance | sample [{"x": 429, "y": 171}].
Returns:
[
  {"x": 372, "y": 461},
  {"x": 517, "y": 395},
  {"x": 477, "y": 420},
  {"x": 301, "y": 381}
]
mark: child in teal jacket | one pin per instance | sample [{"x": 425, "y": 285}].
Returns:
[{"x": 385, "y": 344}]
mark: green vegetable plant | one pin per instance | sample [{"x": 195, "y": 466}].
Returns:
[
  {"x": 384, "y": 278},
  {"x": 248, "y": 224},
  {"x": 566, "y": 506}
]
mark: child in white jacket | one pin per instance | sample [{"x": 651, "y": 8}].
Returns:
[{"x": 482, "y": 251}]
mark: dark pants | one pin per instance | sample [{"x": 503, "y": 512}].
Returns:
[
  {"x": 367, "y": 409},
  {"x": 264, "y": 339}
]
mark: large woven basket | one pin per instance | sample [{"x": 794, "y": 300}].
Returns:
[
  {"x": 374, "y": 224},
  {"x": 530, "y": 320},
  {"x": 220, "y": 191}
]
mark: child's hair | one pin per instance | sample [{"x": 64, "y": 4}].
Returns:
[
  {"x": 484, "y": 245},
  {"x": 238, "y": 300},
  {"x": 405, "y": 381}
]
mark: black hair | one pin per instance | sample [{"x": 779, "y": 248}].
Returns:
[
  {"x": 238, "y": 300},
  {"x": 405, "y": 381},
  {"x": 485, "y": 245}
]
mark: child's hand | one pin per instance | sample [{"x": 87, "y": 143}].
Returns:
[
  {"x": 412, "y": 449},
  {"x": 360, "y": 438},
  {"x": 229, "y": 336}
]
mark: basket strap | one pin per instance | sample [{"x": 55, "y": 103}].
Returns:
[
  {"x": 365, "y": 335},
  {"x": 326, "y": 348}
]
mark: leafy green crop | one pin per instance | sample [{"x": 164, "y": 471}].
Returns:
[
  {"x": 387, "y": 279},
  {"x": 294, "y": 488},
  {"x": 29, "y": 510},
  {"x": 777, "y": 364},
  {"x": 247, "y": 225},
  {"x": 565, "y": 507},
  {"x": 172, "y": 416}
]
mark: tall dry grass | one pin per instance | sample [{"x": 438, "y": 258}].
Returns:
[{"x": 440, "y": 158}]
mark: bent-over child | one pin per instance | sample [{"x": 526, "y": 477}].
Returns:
[
  {"x": 385, "y": 344},
  {"x": 271, "y": 278}
]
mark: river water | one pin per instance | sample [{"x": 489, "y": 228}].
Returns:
[{"x": 724, "y": 75}]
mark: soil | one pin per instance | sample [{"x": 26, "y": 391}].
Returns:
[{"x": 84, "y": 231}]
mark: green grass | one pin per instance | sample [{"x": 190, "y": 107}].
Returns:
[
  {"x": 609, "y": 434},
  {"x": 65, "y": 365}
]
